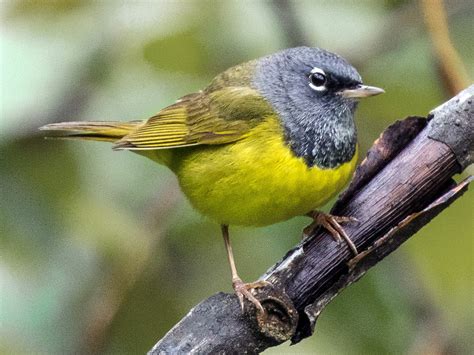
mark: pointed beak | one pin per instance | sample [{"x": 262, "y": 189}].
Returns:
[{"x": 361, "y": 91}]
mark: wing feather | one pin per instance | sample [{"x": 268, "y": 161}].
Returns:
[{"x": 217, "y": 117}]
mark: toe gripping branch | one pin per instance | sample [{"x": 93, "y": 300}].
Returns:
[
  {"x": 452, "y": 124},
  {"x": 404, "y": 182}
]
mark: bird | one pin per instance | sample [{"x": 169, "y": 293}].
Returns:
[{"x": 265, "y": 141}]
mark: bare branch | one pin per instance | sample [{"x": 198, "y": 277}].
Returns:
[{"x": 404, "y": 182}]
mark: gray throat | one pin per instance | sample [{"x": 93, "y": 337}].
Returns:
[
  {"x": 325, "y": 139},
  {"x": 319, "y": 126}
]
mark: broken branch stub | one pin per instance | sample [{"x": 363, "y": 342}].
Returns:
[{"x": 402, "y": 184}]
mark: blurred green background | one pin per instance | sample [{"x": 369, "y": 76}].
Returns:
[{"x": 100, "y": 252}]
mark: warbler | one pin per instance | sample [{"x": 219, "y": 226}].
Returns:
[{"x": 267, "y": 140}]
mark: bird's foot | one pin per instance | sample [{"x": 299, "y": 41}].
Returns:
[
  {"x": 243, "y": 290},
  {"x": 332, "y": 225}
]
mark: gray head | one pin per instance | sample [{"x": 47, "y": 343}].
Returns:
[{"x": 315, "y": 93}]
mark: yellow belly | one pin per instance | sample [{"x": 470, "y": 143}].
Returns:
[{"x": 255, "y": 181}]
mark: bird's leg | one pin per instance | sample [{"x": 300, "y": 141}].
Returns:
[
  {"x": 241, "y": 289},
  {"x": 332, "y": 225}
]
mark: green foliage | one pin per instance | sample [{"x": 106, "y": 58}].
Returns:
[
  {"x": 101, "y": 251},
  {"x": 183, "y": 50}
]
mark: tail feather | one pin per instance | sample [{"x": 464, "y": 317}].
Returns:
[{"x": 98, "y": 131}]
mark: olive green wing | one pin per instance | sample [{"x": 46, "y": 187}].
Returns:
[{"x": 218, "y": 117}]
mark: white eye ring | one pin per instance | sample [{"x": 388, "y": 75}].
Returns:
[{"x": 317, "y": 79}]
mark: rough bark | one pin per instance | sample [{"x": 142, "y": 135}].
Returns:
[{"x": 404, "y": 182}]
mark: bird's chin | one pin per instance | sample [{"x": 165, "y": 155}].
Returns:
[{"x": 351, "y": 103}]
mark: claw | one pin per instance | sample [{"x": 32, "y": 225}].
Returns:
[
  {"x": 243, "y": 290},
  {"x": 332, "y": 225}
]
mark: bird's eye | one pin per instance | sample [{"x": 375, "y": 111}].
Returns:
[{"x": 317, "y": 79}]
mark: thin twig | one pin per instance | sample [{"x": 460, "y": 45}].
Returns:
[
  {"x": 451, "y": 68},
  {"x": 285, "y": 12}
]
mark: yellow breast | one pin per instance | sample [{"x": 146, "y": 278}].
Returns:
[{"x": 257, "y": 180}]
